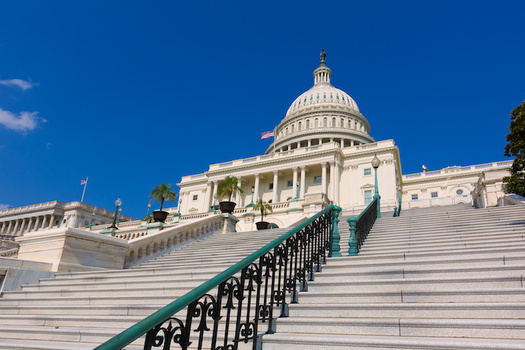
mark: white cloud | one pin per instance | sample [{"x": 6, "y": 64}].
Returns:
[
  {"x": 22, "y": 84},
  {"x": 4, "y": 206},
  {"x": 23, "y": 122}
]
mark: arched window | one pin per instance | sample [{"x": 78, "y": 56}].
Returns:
[
  {"x": 333, "y": 123},
  {"x": 308, "y": 123},
  {"x": 299, "y": 126},
  {"x": 292, "y": 128},
  {"x": 325, "y": 122}
]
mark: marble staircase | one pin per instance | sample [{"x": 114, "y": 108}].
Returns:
[
  {"x": 437, "y": 278},
  {"x": 84, "y": 309}
]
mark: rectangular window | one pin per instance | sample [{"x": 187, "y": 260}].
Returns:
[
  {"x": 433, "y": 194},
  {"x": 368, "y": 197},
  {"x": 271, "y": 186},
  {"x": 368, "y": 171},
  {"x": 290, "y": 183},
  {"x": 414, "y": 197},
  {"x": 318, "y": 179},
  {"x": 195, "y": 197}
]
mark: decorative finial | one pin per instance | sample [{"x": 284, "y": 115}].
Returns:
[{"x": 323, "y": 56}]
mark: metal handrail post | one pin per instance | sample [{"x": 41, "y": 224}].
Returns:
[{"x": 335, "y": 248}]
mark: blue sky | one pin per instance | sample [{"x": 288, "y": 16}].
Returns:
[{"x": 132, "y": 94}]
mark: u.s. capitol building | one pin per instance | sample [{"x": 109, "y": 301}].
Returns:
[{"x": 322, "y": 153}]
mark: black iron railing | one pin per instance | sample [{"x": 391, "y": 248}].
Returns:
[{"x": 241, "y": 303}]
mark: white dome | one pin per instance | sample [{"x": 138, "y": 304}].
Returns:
[
  {"x": 321, "y": 114},
  {"x": 323, "y": 96}
]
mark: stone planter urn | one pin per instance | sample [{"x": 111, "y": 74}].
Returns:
[
  {"x": 160, "y": 216},
  {"x": 262, "y": 225},
  {"x": 227, "y": 207}
]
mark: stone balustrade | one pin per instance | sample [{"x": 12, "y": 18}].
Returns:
[
  {"x": 10, "y": 253},
  {"x": 456, "y": 169},
  {"x": 154, "y": 243}
]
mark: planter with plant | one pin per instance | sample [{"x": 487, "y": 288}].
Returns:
[
  {"x": 162, "y": 193},
  {"x": 264, "y": 208},
  {"x": 226, "y": 188}
]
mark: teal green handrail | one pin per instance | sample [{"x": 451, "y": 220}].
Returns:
[{"x": 160, "y": 316}]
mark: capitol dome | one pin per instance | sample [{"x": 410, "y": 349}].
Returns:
[{"x": 320, "y": 115}]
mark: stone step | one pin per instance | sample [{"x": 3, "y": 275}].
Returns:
[
  {"x": 54, "y": 307},
  {"x": 411, "y": 310},
  {"x": 511, "y": 244},
  {"x": 316, "y": 341},
  {"x": 475, "y": 295},
  {"x": 436, "y": 238},
  {"x": 385, "y": 284},
  {"x": 413, "y": 272},
  {"x": 408, "y": 262},
  {"x": 406, "y": 327}
]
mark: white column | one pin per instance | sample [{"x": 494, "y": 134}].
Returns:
[
  {"x": 238, "y": 194},
  {"x": 17, "y": 223},
  {"x": 294, "y": 182},
  {"x": 9, "y": 227},
  {"x": 216, "y": 201},
  {"x": 38, "y": 223},
  {"x": 309, "y": 143},
  {"x": 186, "y": 202},
  {"x": 23, "y": 226},
  {"x": 332, "y": 181},
  {"x": 51, "y": 221},
  {"x": 303, "y": 181},
  {"x": 207, "y": 197},
  {"x": 44, "y": 222},
  {"x": 323, "y": 179},
  {"x": 275, "y": 183},
  {"x": 256, "y": 191},
  {"x": 337, "y": 176}
]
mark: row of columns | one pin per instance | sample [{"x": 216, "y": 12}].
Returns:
[
  {"x": 18, "y": 227},
  {"x": 320, "y": 142},
  {"x": 210, "y": 191}
]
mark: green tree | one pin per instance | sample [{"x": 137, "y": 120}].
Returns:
[
  {"x": 263, "y": 207},
  {"x": 228, "y": 186},
  {"x": 163, "y": 192},
  {"x": 516, "y": 148}
]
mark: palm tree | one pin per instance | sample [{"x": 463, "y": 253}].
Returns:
[
  {"x": 163, "y": 192},
  {"x": 263, "y": 206},
  {"x": 228, "y": 186}
]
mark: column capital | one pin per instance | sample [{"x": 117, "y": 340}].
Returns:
[
  {"x": 276, "y": 172},
  {"x": 324, "y": 165},
  {"x": 303, "y": 167}
]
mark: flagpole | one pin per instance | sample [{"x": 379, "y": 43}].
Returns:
[{"x": 83, "y": 192}]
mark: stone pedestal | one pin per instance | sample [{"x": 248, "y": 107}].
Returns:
[
  {"x": 70, "y": 249},
  {"x": 229, "y": 223}
]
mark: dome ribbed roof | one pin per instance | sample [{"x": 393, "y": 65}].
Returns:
[{"x": 322, "y": 95}]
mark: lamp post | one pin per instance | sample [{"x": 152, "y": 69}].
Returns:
[
  {"x": 399, "y": 194},
  {"x": 118, "y": 215},
  {"x": 251, "y": 202},
  {"x": 375, "y": 164},
  {"x": 118, "y": 203},
  {"x": 178, "y": 209},
  {"x": 91, "y": 222},
  {"x": 149, "y": 207},
  {"x": 213, "y": 206},
  {"x": 297, "y": 191}
]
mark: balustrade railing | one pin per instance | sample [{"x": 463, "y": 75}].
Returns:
[
  {"x": 237, "y": 305},
  {"x": 361, "y": 226}
]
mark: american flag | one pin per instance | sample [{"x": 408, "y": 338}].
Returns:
[
  {"x": 266, "y": 135},
  {"x": 83, "y": 182}
]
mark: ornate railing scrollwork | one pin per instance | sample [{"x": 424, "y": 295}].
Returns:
[{"x": 241, "y": 303}]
